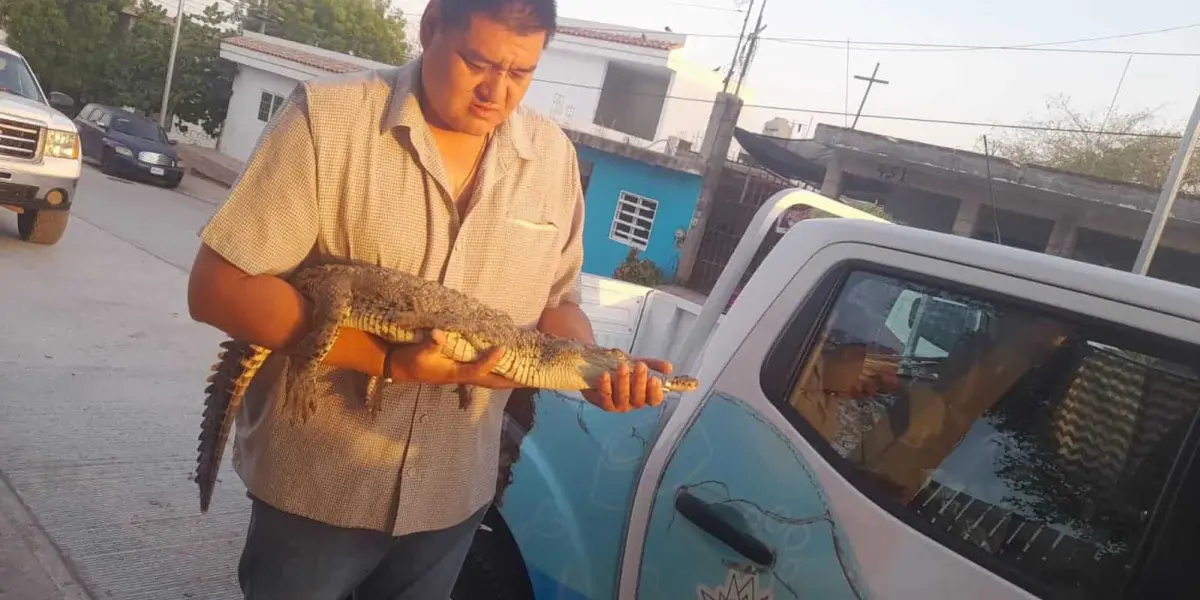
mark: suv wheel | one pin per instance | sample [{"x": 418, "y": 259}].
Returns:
[
  {"x": 107, "y": 159},
  {"x": 42, "y": 226}
]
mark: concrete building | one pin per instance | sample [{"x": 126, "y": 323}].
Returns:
[
  {"x": 1037, "y": 208},
  {"x": 268, "y": 70},
  {"x": 625, "y": 84},
  {"x": 622, "y": 84},
  {"x": 778, "y": 127},
  {"x": 636, "y": 199}
]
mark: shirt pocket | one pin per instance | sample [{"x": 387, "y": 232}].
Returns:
[{"x": 532, "y": 239}]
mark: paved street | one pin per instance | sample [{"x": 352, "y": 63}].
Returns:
[{"x": 101, "y": 374}]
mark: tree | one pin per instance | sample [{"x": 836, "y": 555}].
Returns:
[
  {"x": 1143, "y": 158},
  {"x": 66, "y": 42},
  {"x": 202, "y": 82},
  {"x": 364, "y": 28},
  {"x": 76, "y": 47},
  {"x": 80, "y": 48}
]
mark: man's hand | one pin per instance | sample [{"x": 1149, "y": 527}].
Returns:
[
  {"x": 631, "y": 387},
  {"x": 425, "y": 363}
]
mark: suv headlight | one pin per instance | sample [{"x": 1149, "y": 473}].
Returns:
[{"x": 62, "y": 144}]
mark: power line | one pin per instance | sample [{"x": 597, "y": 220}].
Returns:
[
  {"x": 926, "y": 46},
  {"x": 929, "y": 47},
  {"x": 1036, "y": 46},
  {"x": 888, "y": 46},
  {"x": 885, "y": 117},
  {"x": 706, "y": 7}
]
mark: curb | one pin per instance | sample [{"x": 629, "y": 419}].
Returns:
[{"x": 40, "y": 546}]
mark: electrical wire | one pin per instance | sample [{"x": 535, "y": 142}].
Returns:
[
  {"x": 706, "y": 7},
  {"x": 889, "y": 46},
  {"x": 1028, "y": 127},
  {"x": 926, "y": 46},
  {"x": 846, "y": 113},
  {"x": 1037, "y": 46}
]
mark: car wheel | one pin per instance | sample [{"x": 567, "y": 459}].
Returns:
[
  {"x": 44, "y": 227},
  {"x": 106, "y": 162},
  {"x": 493, "y": 570}
]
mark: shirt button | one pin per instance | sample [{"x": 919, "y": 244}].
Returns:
[{"x": 423, "y": 418}]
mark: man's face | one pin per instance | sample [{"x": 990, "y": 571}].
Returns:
[{"x": 474, "y": 77}]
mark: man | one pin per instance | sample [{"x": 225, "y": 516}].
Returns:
[{"x": 431, "y": 169}]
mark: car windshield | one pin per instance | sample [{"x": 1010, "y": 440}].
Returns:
[
  {"x": 16, "y": 78},
  {"x": 140, "y": 128}
]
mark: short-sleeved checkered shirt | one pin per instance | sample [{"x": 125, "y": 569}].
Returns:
[{"x": 349, "y": 171}]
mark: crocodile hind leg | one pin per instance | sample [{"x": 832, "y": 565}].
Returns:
[{"x": 330, "y": 311}]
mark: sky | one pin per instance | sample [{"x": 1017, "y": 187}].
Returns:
[
  {"x": 964, "y": 85},
  {"x": 983, "y": 86}
]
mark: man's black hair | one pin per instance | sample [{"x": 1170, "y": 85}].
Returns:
[{"x": 524, "y": 16}]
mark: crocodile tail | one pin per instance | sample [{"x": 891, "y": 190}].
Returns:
[{"x": 237, "y": 364}]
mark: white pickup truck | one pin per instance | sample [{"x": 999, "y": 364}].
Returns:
[{"x": 884, "y": 412}]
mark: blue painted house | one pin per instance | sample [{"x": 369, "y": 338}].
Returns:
[{"x": 635, "y": 198}]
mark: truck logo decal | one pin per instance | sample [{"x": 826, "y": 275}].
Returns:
[{"x": 738, "y": 586}]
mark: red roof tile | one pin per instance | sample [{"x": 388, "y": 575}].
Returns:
[
  {"x": 310, "y": 59},
  {"x": 629, "y": 38}
]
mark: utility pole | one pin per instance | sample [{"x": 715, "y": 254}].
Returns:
[
  {"x": 1162, "y": 212},
  {"x": 751, "y": 47},
  {"x": 162, "y": 114},
  {"x": 737, "y": 51},
  {"x": 714, "y": 150},
  {"x": 870, "y": 81},
  {"x": 263, "y": 10}
]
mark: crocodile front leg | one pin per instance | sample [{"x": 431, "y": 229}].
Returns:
[{"x": 330, "y": 310}]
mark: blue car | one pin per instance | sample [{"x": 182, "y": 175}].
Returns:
[{"x": 128, "y": 145}]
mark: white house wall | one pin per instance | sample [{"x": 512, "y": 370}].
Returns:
[
  {"x": 692, "y": 95},
  {"x": 242, "y": 127},
  {"x": 650, "y": 57},
  {"x": 576, "y": 77}
]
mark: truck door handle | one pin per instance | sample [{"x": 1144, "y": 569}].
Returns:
[{"x": 704, "y": 516}]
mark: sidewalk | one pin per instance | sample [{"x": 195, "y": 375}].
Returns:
[
  {"x": 30, "y": 566},
  {"x": 210, "y": 164}
]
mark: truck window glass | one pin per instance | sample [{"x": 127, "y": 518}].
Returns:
[
  {"x": 1040, "y": 442},
  {"x": 139, "y": 128},
  {"x": 16, "y": 78}
]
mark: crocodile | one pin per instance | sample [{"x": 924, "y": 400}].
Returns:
[{"x": 399, "y": 308}]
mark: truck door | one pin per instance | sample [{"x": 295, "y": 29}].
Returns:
[{"x": 895, "y": 426}]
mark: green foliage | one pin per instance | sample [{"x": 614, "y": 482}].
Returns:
[
  {"x": 641, "y": 271},
  {"x": 365, "y": 28},
  {"x": 1138, "y": 159},
  {"x": 202, "y": 81},
  {"x": 66, "y": 42},
  {"x": 874, "y": 209},
  {"x": 116, "y": 51}
]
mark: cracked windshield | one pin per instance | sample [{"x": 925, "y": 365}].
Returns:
[{"x": 577, "y": 300}]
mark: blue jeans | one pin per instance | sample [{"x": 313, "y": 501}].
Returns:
[{"x": 288, "y": 557}]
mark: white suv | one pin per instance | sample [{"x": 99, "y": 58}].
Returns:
[{"x": 39, "y": 152}]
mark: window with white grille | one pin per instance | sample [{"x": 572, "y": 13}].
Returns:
[{"x": 634, "y": 220}]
